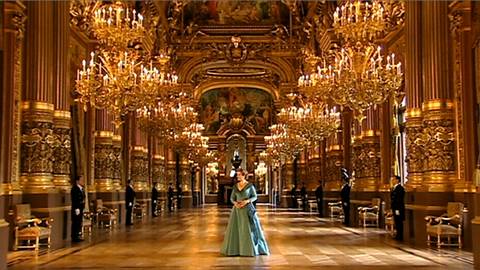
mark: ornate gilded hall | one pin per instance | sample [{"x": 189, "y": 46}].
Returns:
[{"x": 124, "y": 125}]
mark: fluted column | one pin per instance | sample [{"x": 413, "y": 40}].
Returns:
[
  {"x": 438, "y": 115},
  {"x": 461, "y": 24},
  {"x": 13, "y": 36},
  {"x": 104, "y": 153},
  {"x": 414, "y": 92},
  {"x": 38, "y": 140},
  {"x": 62, "y": 117}
]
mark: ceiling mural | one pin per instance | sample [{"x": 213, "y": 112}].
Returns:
[
  {"x": 236, "y": 12},
  {"x": 236, "y": 109}
]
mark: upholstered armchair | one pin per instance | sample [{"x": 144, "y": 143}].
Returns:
[
  {"x": 336, "y": 210},
  {"x": 105, "y": 216},
  {"x": 87, "y": 222},
  {"x": 369, "y": 215},
  {"x": 139, "y": 210},
  {"x": 446, "y": 227},
  {"x": 29, "y": 228}
]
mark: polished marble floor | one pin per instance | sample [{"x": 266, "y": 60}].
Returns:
[{"x": 191, "y": 239}]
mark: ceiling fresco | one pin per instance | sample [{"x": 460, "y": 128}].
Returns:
[{"x": 236, "y": 12}]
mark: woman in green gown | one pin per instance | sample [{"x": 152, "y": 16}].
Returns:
[{"x": 244, "y": 236}]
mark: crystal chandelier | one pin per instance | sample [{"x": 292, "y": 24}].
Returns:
[{"x": 311, "y": 84}]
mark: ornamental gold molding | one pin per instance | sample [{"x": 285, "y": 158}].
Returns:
[
  {"x": 139, "y": 168},
  {"x": 104, "y": 162},
  {"x": 414, "y": 143},
  {"x": 367, "y": 161},
  {"x": 117, "y": 162}
]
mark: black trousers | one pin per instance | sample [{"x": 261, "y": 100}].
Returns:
[
  {"x": 128, "y": 218},
  {"x": 154, "y": 208},
  {"x": 304, "y": 204},
  {"x": 320, "y": 207},
  {"x": 346, "y": 213},
  {"x": 398, "y": 226},
  {"x": 77, "y": 225},
  {"x": 294, "y": 202},
  {"x": 170, "y": 204}
]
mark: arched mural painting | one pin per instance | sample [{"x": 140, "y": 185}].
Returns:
[{"x": 236, "y": 108}]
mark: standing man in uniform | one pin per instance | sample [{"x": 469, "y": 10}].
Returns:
[
  {"x": 170, "y": 194},
  {"x": 319, "y": 197},
  {"x": 78, "y": 204},
  {"x": 345, "y": 195},
  {"x": 398, "y": 207},
  {"x": 154, "y": 199},
  {"x": 129, "y": 201}
]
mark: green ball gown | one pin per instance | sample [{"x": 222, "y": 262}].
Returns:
[{"x": 244, "y": 237}]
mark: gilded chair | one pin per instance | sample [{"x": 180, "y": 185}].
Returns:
[
  {"x": 87, "y": 222},
  {"x": 336, "y": 210},
  {"x": 139, "y": 210},
  {"x": 369, "y": 215},
  {"x": 389, "y": 222},
  {"x": 105, "y": 216},
  {"x": 30, "y": 229},
  {"x": 447, "y": 227}
]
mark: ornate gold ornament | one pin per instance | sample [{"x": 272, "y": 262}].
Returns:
[{"x": 286, "y": 141}]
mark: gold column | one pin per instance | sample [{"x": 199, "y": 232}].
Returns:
[
  {"x": 62, "y": 118},
  {"x": 334, "y": 161},
  {"x": 461, "y": 25},
  {"x": 438, "y": 116},
  {"x": 38, "y": 140},
  {"x": 170, "y": 166},
  {"x": 347, "y": 118},
  {"x": 104, "y": 154},
  {"x": 414, "y": 93},
  {"x": 139, "y": 169},
  {"x": 367, "y": 153},
  {"x": 117, "y": 162},
  {"x": 13, "y": 35}
]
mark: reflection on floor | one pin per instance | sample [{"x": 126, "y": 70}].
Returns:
[{"x": 191, "y": 239}]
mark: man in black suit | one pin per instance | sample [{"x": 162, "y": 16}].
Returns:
[
  {"x": 398, "y": 207},
  {"x": 129, "y": 201},
  {"x": 304, "y": 195},
  {"x": 345, "y": 195},
  {"x": 154, "y": 199},
  {"x": 78, "y": 204},
  {"x": 179, "y": 196},
  {"x": 319, "y": 197},
  {"x": 170, "y": 194}
]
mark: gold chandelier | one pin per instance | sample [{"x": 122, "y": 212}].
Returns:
[
  {"x": 360, "y": 76},
  {"x": 168, "y": 119},
  {"x": 115, "y": 25},
  {"x": 312, "y": 119},
  {"x": 288, "y": 142}
]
